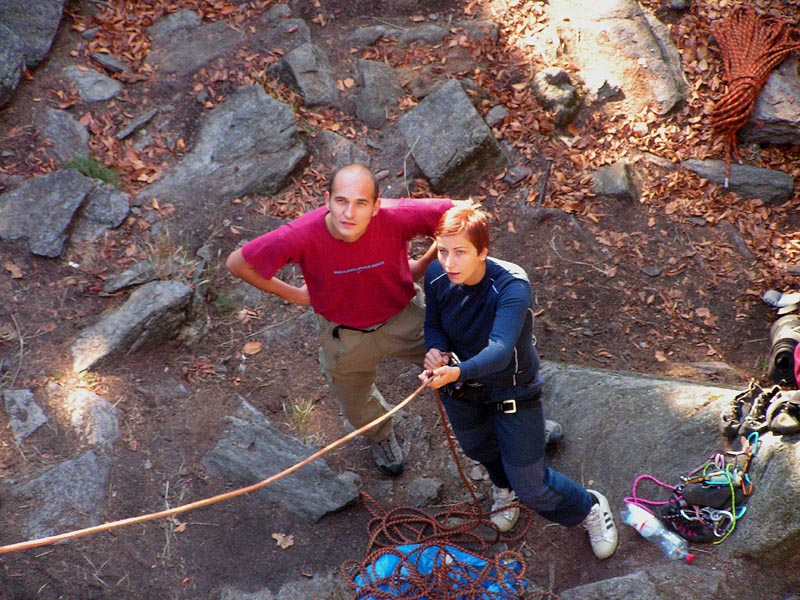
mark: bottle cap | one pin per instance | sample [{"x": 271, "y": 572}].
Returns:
[{"x": 689, "y": 558}]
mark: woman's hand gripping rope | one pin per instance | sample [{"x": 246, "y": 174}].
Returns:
[{"x": 53, "y": 539}]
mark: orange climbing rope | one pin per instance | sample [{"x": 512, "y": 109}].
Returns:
[{"x": 751, "y": 45}]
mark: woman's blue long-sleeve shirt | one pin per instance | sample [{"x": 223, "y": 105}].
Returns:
[{"x": 488, "y": 325}]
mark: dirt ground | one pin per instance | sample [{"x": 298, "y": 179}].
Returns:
[{"x": 669, "y": 284}]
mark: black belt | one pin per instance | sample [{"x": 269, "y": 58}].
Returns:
[
  {"x": 469, "y": 393},
  {"x": 335, "y": 332}
]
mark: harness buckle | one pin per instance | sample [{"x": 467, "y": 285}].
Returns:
[{"x": 507, "y": 406}]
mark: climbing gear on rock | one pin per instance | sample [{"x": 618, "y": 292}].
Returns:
[
  {"x": 751, "y": 45},
  {"x": 730, "y": 420},
  {"x": 706, "y": 504},
  {"x": 756, "y": 418}
]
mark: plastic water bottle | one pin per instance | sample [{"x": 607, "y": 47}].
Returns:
[{"x": 652, "y": 529}]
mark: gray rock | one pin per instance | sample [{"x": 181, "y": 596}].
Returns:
[
  {"x": 624, "y": 44},
  {"x": 248, "y": 145},
  {"x": 427, "y": 34},
  {"x": 12, "y": 63},
  {"x": 284, "y": 35},
  {"x": 152, "y": 314},
  {"x": 252, "y": 450},
  {"x": 496, "y": 114},
  {"x": 324, "y": 586},
  {"x": 181, "y": 45},
  {"x": 177, "y": 23},
  {"x": 307, "y": 70},
  {"x": 615, "y": 180},
  {"x": 93, "y": 417},
  {"x": 41, "y": 210},
  {"x": 105, "y": 208},
  {"x": 555, "y": 92},
  {"x": 110, "y": 63},
  {"x": 92, "y": 85},
  {"x": 367, "y": 36},
  {"x": 275, "y": 14},
  {"x": 25, "y": 415},
  {"x": 773, "y": 187},
  {"x": 378, "y": 92},
  {"x": 480, "y": 30},
  {"x": 63, "y": 497},
  {"x": 776, "y": 116},
  {"x": 449, "y": 140},
  {"x": 136, "y": 123},
  {"x": 35, "y": 23},
  {"x": 657, "y": 582},
  {"x": 339, "y": 151},
  {"x": 68, "y": 137},
  {"x": 424, "y": 491},
  {"x": 143, "y": 272}
]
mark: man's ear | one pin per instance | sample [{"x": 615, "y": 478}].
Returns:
[
  {"x": 376, "y": 207},
  {"x": 326, "y": 195}
]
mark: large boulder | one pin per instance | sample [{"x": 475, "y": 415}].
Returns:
[
  {"x": 12, "y": 63},
  {"x": 449, "y": 140},
  {"x": 42, "y": 209},
  {"x": 35, "y": 23},
  {"x": 248, "y": 145},
  {"x": 618, "y": 44}
]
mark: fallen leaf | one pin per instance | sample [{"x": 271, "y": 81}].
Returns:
[
  {"x": 660, "y": 357},
  {"x": 180, "y": 528},
  {"x": 16, "y": 272},
  {"x": 283, "y": 540},
  {"x": 252, "y": 347}
]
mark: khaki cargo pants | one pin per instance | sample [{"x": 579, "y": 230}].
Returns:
[{"x": 350, "y": 362}]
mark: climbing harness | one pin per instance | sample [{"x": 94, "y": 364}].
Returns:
[
  {"x": 706, "y": 504},
  {"x": 751, "y": 45}
]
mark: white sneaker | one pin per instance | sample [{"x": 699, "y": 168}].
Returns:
[
  {"x": 600, "y": 525},
  {"x": 505, "y": 508}
]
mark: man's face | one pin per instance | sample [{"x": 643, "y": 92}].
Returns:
[{"x": 351, "y": 205}]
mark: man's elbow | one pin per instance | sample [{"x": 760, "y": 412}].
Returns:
[{"x": 235, "y": 262}]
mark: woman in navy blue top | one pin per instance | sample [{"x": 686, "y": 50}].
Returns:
[{"x": 482, "y": 358}]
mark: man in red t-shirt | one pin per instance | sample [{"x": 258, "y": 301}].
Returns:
[{"x": 353, "y": 253}]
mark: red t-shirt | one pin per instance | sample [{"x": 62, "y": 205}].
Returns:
[{"x": 361, "y": 283}]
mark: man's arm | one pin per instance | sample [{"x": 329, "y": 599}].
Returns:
[
  {"x": 419, "y": 265},
  {"x": 242, "y": 269}
]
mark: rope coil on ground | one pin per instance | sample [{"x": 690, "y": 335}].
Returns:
[{"x": 751, "y": 45}]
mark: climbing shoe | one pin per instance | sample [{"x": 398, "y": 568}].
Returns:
[
  {"x": 388, "y": 456},
  {"x": 714, "y": 496},
  {"x": 730, "y": 420},
  {"x": 756, "y": 420},
  {"x": 783, "y": 414}
]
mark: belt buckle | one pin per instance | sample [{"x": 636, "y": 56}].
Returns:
[{"x": 508, "y": 406}]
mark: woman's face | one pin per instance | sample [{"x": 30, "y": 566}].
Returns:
[{"x": 461, "y": 260}]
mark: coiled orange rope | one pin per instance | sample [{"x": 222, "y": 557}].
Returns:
[{"x": 751, "y": 45}]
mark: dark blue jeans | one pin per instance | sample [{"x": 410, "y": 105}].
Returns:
[{"x": 511, "y": 447}]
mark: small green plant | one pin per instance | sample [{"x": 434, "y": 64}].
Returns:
[
  {"x": 224, "y": 303},
  {"x": 91, "y": 167},
  {"x": 299, "y": 414}
]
